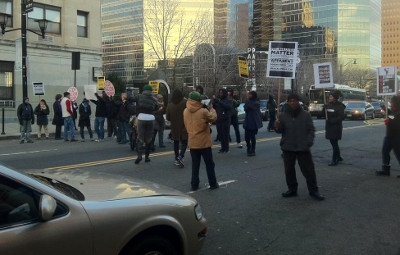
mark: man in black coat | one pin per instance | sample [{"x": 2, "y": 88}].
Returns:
[
  {"x": 101, "y": 114},
  {"x": 392, "y": 138},
  {"x": 333, "y": 127},
  {"x": 58, "y": 120},
  {"x": 224, "y": 107},
  {"x": 298, "y": 134},
  {"x": 25, "y": 118}
]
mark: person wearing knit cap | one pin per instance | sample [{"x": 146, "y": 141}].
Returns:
[
  {"x": 26, "y": 119},
  {"x": 197, "y": 118},
  {"x": 146, "y": 106},
  {"x": 333, "y": 125}
]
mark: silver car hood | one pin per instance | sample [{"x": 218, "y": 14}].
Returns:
[{"x": 101, "y": 187}]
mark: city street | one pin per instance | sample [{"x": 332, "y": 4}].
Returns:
[{"x": 247, "y": 215}]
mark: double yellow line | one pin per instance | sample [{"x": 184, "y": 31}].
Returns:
[{"x": 117, "y": 160}]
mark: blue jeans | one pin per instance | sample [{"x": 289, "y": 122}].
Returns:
[
  {"x": 99, "y": 127},
  {"x": 69, "y": 126},
  {"x": 123, "y": 131}
]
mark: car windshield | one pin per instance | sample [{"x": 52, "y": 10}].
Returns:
[
  {"x": 355, "y": 105},
  {"x": 377, "y": 104},
  {"x": 60, "y": 186}
]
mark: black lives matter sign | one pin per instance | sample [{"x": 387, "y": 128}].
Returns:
[{"x": 282, "y": 57}]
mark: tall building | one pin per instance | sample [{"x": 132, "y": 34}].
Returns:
[
  {"x": 242, "y": 26},
  {"x": 72, "y": 27},
  {"x": 221, "y": 22},
  {"x": 131, "y": 43},
  {"x": 391, "y": 33},
  {"x": 266, "y": 22},
  {"x": 340, "y": 30}
]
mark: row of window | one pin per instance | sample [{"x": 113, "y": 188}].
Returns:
[{"x": 51, "y": 13}]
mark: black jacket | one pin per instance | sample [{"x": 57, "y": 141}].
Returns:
[
  {"x": 146, "y": 103},
  {"x": 25, "y": 112},
  {"x": 393, "y": 127},
  {"x": 101, "y": 110},
  {"x": 84, "y": 116},
  {"x": 297, "y": 130},
  {"x": 57, "y": 118},
  {"x": 224, "y": 108},
  {"x": 333, "y": 126},
  {"x": 42, "y": 115},
  {"x": 252, "y": 120},
  {"x": 124, "y": 112}
]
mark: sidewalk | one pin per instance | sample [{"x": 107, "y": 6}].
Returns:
[{"x": 11, "y": 130}]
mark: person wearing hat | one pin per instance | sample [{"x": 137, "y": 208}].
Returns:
[
  {"x": 26, "y": 119},
  {"x": 197, "y": 118},
  {"x": 146, "y": 106},
  {"x": 333, "y": 125}
]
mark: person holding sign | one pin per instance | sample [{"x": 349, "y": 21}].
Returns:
[
  {"x": 392, "y": 138},
  {"x": 298, "y": 133},
  {"x": 333, "y": 127}
]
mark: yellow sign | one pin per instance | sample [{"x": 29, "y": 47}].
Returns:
[
  {"x": 100, "y": 82},
  {"x": 243, "y": 67},
  {"x": 155, "y": 85}
]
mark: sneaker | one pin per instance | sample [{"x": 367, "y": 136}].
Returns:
[
  {"x": 240, "y": 146},
  {"x": 181, "y": 162},
  {"x": 97, "y": 140},
  {"x": 21, "y": 142},
  {"x": 176, "y": 163}
]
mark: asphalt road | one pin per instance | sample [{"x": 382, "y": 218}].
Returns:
[{"x": 247, "y": 215}]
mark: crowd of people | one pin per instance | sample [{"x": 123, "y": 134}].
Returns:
[{"x": 190, "y": 119}]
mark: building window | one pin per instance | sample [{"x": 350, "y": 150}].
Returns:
[
  {"x": 6, "y": 6},
  {"x": 6, "y": 80},
  {"x": 82, "y": 24},
  {"x": 50, "y": 13}
]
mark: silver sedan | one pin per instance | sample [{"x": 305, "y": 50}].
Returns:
[{"x": 63, "y": 213}]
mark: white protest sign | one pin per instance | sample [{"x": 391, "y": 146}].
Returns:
[
  {"x": 387, "y": 81},
  {"x": 323, "y": 75},
  {"x": 73, "y": 93},
  {"x": 38, "y": 88},
  {"x": 282, "y": 58},
  {"x": 90, "y": 91}
]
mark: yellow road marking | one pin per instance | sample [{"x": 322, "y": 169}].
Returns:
[{"x": 117, "y": 160}]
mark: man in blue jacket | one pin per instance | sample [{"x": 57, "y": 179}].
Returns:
[{"x": 298, "y": 134}]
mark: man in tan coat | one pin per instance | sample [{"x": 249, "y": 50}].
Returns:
[{"x": 197, "y": 118}]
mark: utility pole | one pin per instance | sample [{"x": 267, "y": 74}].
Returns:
[{"x": 24, "y": 51}]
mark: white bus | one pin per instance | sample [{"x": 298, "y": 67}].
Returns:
[{"x": 316, "y": 97}]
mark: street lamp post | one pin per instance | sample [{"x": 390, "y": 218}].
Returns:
[
  {"x": 42, "y": 25},
  {"x": 354, "y": 62}
]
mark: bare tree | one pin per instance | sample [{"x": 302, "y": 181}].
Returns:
[{"x": 172, "y": 34}]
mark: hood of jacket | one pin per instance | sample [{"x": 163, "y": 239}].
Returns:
[{"x": 193, "y": 106}]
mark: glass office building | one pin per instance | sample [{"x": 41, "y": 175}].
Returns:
[
  {"x": 391, "y": 33},
  {"x": 126, "y": 25},
  {"x": 340, "y": 30}
]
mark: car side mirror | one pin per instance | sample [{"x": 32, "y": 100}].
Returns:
[{"x": 47, "y": 207}]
